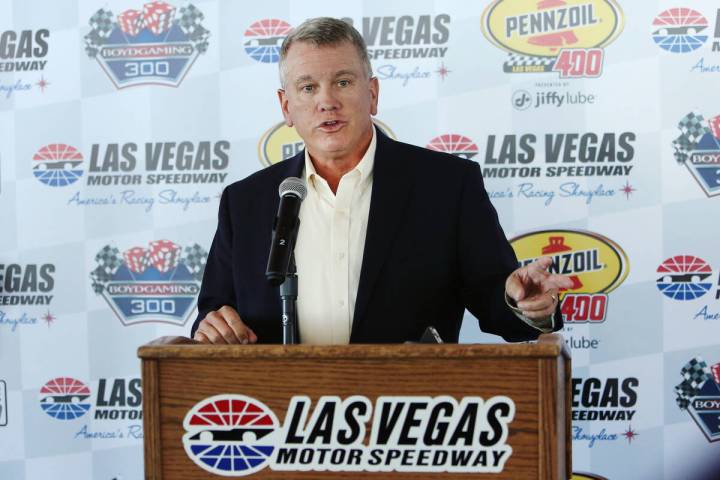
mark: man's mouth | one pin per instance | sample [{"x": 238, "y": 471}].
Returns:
[{"x": 331, "y": 125}]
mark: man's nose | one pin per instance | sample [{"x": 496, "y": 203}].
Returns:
[{"x": 327, "y": 101}]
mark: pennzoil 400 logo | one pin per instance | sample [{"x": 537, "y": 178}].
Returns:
[
  {"x": 596, "y": 265},
  {"x": 155, "y": 45},
  {"x": 155, "y": 284},
  {"x": 564, "y": 36},
  {"x": 236, "y": 435}
]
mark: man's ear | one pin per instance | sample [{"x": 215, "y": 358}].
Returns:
[
  {"x": 375, "y": 92},
  {"x": 282, "y": 97}
]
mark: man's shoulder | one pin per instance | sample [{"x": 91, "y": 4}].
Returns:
[
  {"x": 428, "y": 161},
  {"x": 266, "y": 180}
]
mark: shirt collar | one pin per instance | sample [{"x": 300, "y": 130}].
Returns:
[{"x": 365, "y": 166}]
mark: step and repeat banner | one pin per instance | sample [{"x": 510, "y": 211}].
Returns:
[{"x": 596, "y": 124}]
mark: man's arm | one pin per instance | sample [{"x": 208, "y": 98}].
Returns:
[
  {"x": 218, "y": 320},
  {"x": 486, "y": 262}
]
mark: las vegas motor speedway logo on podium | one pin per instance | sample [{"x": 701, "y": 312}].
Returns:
[
  {"x": 236, "y": 435},
  {"x": 155, "y": 284},
  {"x": 699, "y": 395},
  {"x": 155, "y": 45}
]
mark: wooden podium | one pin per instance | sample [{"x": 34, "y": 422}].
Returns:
[{"x": 227, "y": 391}]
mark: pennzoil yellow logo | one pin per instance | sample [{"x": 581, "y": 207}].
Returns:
[
  {"x": 281, "y": 142},
  {"x": 564, "y": 36},
  {"x": 594, "y": 263},
  {"x": 586, "y": 476}
]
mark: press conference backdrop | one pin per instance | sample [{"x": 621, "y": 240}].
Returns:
[{"x": 596, "y": 124}]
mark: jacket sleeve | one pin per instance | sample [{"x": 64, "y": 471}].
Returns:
[
  {"x": 486, "y": 259},
  {"x": 217, "y": 287}
]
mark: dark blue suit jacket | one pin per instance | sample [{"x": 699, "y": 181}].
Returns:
[{"x": 433, "y": 248}]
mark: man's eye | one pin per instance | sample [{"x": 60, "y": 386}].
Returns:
[
  {"x": 307, "y": 88},
  {"x": 344, "y": 83}
]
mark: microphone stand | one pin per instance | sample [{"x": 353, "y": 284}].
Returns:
[{"x": 288, "y": 295}]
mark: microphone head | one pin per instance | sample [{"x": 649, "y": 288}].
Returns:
[{"x": 293, "y": 186}]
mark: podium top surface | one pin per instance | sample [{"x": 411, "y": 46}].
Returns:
[{"x": 547, "y": 346}]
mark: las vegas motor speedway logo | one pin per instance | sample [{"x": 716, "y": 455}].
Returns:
[
  {"x": 236, "y": 435},
  {"x": 698, "y": 148},
  {"x": 595, "y": 264},
  {"x": 155, "y": 45},
  {"x": 564, "y": 36},
  {"x": 155, "y": 284},
  {"x": 264, "y": 37},
  {"x": 699, "y": 395}
]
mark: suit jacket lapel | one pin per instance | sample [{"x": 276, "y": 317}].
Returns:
[{"x": 390, "y": 192}]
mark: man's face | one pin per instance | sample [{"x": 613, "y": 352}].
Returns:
[{"x": 329, "y": 99}]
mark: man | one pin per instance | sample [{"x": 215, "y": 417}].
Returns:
[{"x": 393, "y": 238}]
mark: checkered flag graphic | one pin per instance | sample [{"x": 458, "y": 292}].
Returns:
[
  {"x": 103, "y": 22},
  {"x": 515, "y": 60},
  {"x": 695, "y": 373},
  {"x": 693, "y": 127},
  {"x": 682, "y": 148},
  {"x": 194, "y": 257},
  {"x": 190, "y": 20}
]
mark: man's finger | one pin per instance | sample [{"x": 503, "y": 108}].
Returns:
[
  {"x": 243, "y": 333},
  {"x": 559, "y": 282},
  {"x": 201, "y": 337},
  {"x": 213, "y": 336},
  {"x": 222, "y": 327},
  {"x": 539, "y": 302},
  {"x": 514, "y": 288}
]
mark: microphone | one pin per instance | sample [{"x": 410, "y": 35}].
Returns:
[{"x": 292, "y": 192}]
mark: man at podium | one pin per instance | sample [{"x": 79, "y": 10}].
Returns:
[{"x": 392, "y": 238}]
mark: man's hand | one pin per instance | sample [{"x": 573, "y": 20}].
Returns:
[
  {"x": 224, "y": 326},
  {"x": 535, "y": 290}
]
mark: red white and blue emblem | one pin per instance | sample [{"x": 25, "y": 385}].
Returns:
[
  {"x": 679, "y": 30},
  {"x": 455, "y": 144},
  {"x": 263, "y": 39},
  {"x": 153, "y": 45},
  {"x": 230, "y": 435},
  {"x": 684, "y": 277},
  {"x": 159, "y": 283},
  {"x": 57, "y": 165},
  {"x": 65, "y": 398}
]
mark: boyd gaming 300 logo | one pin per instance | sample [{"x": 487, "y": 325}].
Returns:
[
  {"x": 699, "y": 395},
  {"x": 263, "y": 39},
  {"x": 563, "y": 36},
  {"x": 65, "y": 398},
  {"x": 57, "y": 165},
  {"x": 155, "y": 45},
  {"x": 155, "y": 284},
  {"x": 698, "y": 148},
  {"x": 679, "y": 30}
]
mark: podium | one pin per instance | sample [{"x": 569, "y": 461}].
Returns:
[{"x": 410, "y": 411}]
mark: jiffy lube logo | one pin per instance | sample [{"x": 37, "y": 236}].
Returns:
[
  {"x": 596, "y": 265},
  {"x": 698, "y": 148},
  {"x": 153, "y": 45},
  {"x": 699, "y": 395},
  {"x": 235, "y": 435},
  {"x": 158, "y": 283},
  {"x": 281, "y": 142},
  {"x": 563, "y": 36}
]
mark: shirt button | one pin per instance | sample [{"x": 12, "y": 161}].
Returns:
[
  {"x": 342, "y": 303},
  {"x": 341, "y": 255}
]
